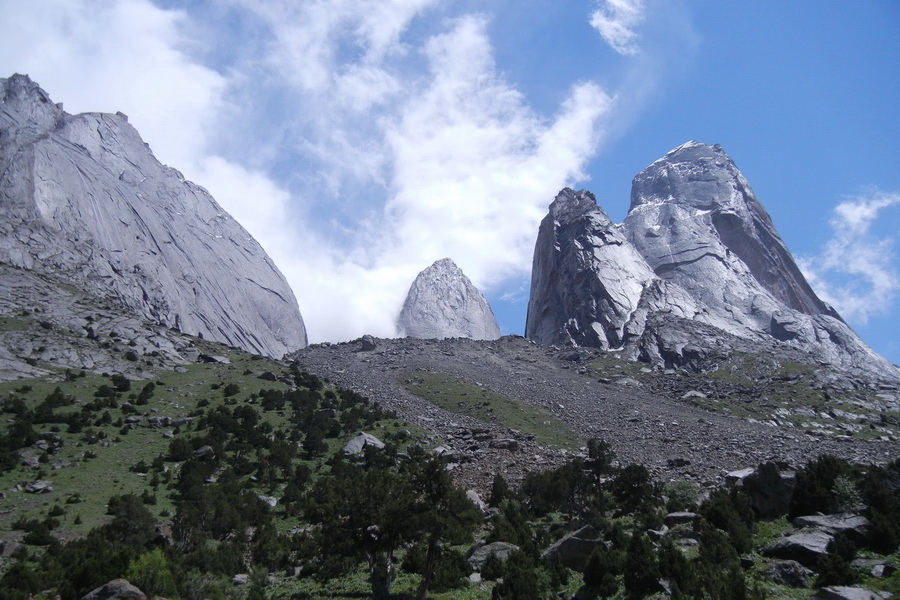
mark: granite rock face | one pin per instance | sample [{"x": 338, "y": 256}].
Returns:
[
  {"x": 82, "y": 198},
  {"x": 695, "y": 269},
  {"x": 443, "y": 303}
]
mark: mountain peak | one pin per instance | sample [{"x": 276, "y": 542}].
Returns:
[
  {"x": 696, "y": 254},
  {"x": 443, "y": 303},
  {"x": 84, "y": 199}
]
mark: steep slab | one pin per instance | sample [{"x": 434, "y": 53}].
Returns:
[
  {"x": 82, "y": 197},
  {"x": 443, "y": 303}
]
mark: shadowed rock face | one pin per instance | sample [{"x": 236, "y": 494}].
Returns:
[
  {"x": 82, "y": 197},
  {"x": 696, "y": 268},
  {"x": 443, "y": 303},
  {"x": 587, "y": 281}
]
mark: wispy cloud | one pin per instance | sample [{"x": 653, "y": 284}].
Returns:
[
  {"x": 857, "y": 271},
  {"x": 616, "y": 21}
]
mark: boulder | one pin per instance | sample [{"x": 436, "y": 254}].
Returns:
[
  {"x": 854, "y": 526},
  {"x": 204, "y": 453},
  {"x": 443, "y": 303},
  {"x": 366, "y": 343},
  {"x": 8, "y": 548},
  {"x": 841, "y": 592},
  {"x": 769, "y": 489},
  {"x": 679, "y": 518},
  {"x": 41, "y": 486},
  {"x": 475, "y": 499},
  {"x": 573, "y": 549},
  {"x": 506, "y": 444},
  {"x": 805, "y": 547},
  {"x": 358, "y": 444},
  {"x": 117, "y": 589},
  {"x": 789, "y": 573},
  {"x": 479, "y": 553}
]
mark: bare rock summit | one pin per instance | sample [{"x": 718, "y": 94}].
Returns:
[
  {"x": 443, "y": 303},
  {"x": 82, "y": 198},
  {"x": 696, "y": 269}
]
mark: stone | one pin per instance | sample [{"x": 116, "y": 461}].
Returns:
[
  {"x": 84, "y": 198},
  {"x": 475, "y": 499},
  {"x": 680, "y": 518},
  {"x": 41, "y": 486},
  {"x": 804, "y": 547},
  {"x": 204, "y": 453},
  {"x": 854, "y": 526},
  {"x": 367, "y": 343},
  {"x": 271, "y": 501},
  {"x": 479, "y": 553},
  {"x": 841, "y": 592},
  {"x": 117, "y": 589},
  {"x": 358, "y": 444},
  {"x": 443, "y": 303},
  {"x": 505, "y": 444},
  {"x": 789, "y": 573},
  {"x": 769, "y": 489},
  {"x": 573, "y": 549},
  {"x": 8, "y": 548}
]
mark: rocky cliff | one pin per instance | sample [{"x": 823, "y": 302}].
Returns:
[
  {"x": 696, "y": 255},
  {"x": 443, "y": 303},
  {"x": 84, "y": 199}
]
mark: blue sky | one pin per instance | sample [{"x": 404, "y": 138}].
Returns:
[{"x": 360, "y": 140}]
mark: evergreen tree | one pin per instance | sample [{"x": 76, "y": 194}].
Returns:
[{"x": 641, "y": 568}]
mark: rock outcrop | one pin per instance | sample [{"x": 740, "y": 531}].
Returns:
[
  {"x": 695, "y": 269},
  {"x": 443, "y": 303},
  {"x": 83, "y": 199}
]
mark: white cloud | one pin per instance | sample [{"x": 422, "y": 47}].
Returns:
[
  {"x": 355, "y": 148},
  {"x": 117, "y": 55},
  {"x": 857, "y": 271},
  {"x": 616, "y": 21}
]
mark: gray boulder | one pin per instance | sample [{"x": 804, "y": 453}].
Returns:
[
  {"x": 443, "y": 303},
  {"x": 573, "y": 549},
  {"x": 41, "y": 486},
  {"x": 854, "y": 526},
  {"x": 117, "y": 589},
  {"x": 83, "y": 197},
  {"x": 789, "y": 573},
  {"x": 841, "y": 592},
  {"x": 358, "y": 444},
  {"x": 769, "y": 488},
  {"x": 804, "y": 547},
  {"x": 479, "y": 553},
  {"x": 204, "y": 453}
]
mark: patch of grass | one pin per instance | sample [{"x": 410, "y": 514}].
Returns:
[
  {"x": 490, "y": 407},
  {"x": 13, "y": 324}
]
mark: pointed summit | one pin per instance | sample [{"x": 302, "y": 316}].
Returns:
[
  {"x": 693, "y": 216},
  {"x": 695, "y": 270},
  {"x": 443, "y": 303}
]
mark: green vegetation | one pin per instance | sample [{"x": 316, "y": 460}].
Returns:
[
  {"x": 767, "y": 388},
  {"x": 490, "y": 407},
  {"x": 187, "y": 479}
]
